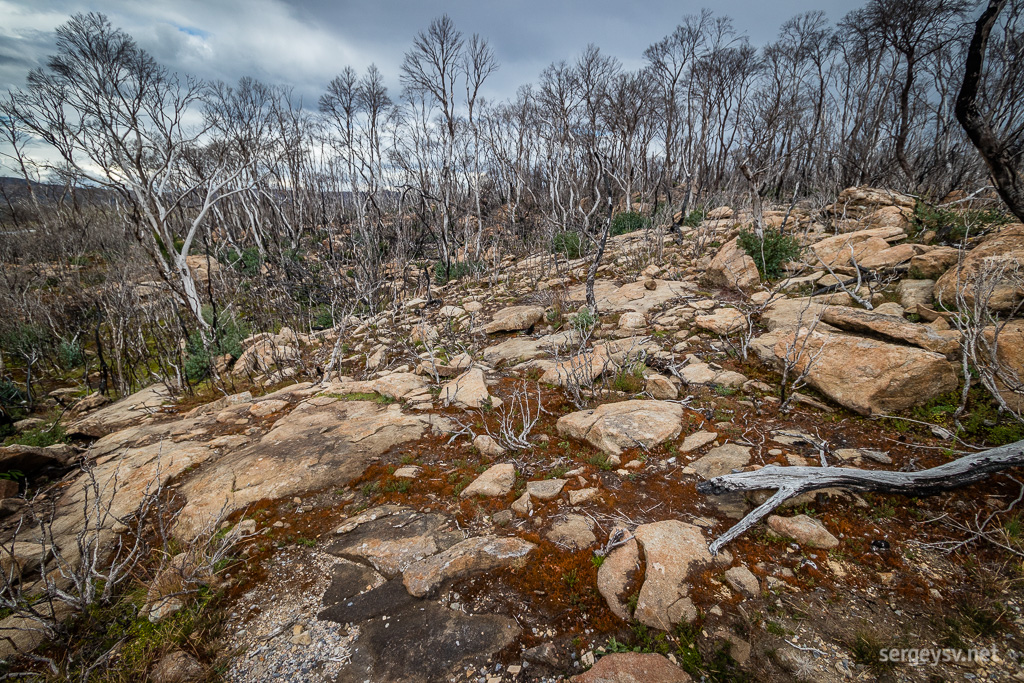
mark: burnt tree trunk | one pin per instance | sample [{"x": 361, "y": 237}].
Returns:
[
  {"x": 997, "y": 153},
  {"x": 792, "y": 481}
]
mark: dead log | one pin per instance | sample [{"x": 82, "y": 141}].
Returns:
[{"x": 792, "y": 481}]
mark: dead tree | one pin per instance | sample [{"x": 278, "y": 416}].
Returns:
[
  {"x": 792, "y": 481},
  {"x": 997, "y": 151}
]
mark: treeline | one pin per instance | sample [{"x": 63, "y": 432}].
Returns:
[{"x": 328, "y": 206}]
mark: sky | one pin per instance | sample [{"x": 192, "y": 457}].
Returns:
[{"x": 306, "y": 43}]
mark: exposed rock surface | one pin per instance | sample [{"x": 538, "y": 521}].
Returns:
[
  {"x": 472, "y": 555},
  {"x": 496, "y": 481},
  {"x": 732, "y": 267},
  {"x": 514, "y": 318},
  {"x": 468, "y": 390},
  {"x": 723, "y": 322},
  {"x": 128, "y": 411},
  {"x": 573, "y": 532},
  {"x": 616, "y": 426},
  {"x": 722, "y": 460},
  {"x": 393, "y": 542},
  {"x": 856, "y": 320},
  {"x": 865, "y": 375},
  {"x": 1005, "y": 249},
  {"x": 672, "y": 550},
  {"x": 633, "y": 667},
  {"x": 614, "y": 575},
  {"x": 804, "y": 530}
]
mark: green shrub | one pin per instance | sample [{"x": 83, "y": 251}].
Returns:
[
  {"x": 629, "y": 221},
  {"x": 954, "y": 225},
  {"x": 771, "y": 252},
  {"x": 12, "y": 398},
  {"x": 323, "y": 319},
  {"x": 568, "y": 243},
  {"x": 694, "y": 218},
  {"x": 41, "y": 437},
  {"x": 22, "y": 339},
  {"x": 70, "y": 355},
  {"x": 199, "y": 358},
  {"x": 456, "y": 271},
  {"x": 584, "y": 320},
  {"x": 247, "y": 262}
]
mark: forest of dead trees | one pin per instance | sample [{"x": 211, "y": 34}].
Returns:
[{"x": 129, "y": 179}]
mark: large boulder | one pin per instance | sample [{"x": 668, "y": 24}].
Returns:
[
  {"x": 616, "y": 426},
  {"x": 468, "y": 390},
  {"x": 892, "y": 256},
  {"x": 1009, "y": 372},
  {"x": 520, "y": 349},
  {"x": 859, "y": 202},
  {"x": 723, "y": 322},
  {"x": 632, "y": 296},
  {"x": 914, "y": 293},
  {"x": 1003, "y": 252},
  {"x": 673, "y": 550},
  {"x": 732, "y": 267},
  {"x": 838, "y": 251},
  {"x": 470, "y": 556},
  {"x": 946, "y": 342},
  {"x": 141, "y": 405},
  {"x": 633, "y": 667},
  {"x": 514, "y": 318},
  {"x": 614, "y": 575},
  {"x": 933, "y": 263},
  {"x": 865, "y": 375}
]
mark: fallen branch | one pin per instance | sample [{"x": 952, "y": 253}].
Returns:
[{"x": 792, "y": 481}]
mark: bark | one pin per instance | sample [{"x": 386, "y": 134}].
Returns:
[
  {"x": 792, "y": 481},
  {"x": 997, "y": 153}
]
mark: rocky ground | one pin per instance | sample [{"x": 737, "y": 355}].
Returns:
[{"x": 489, "y": 488}]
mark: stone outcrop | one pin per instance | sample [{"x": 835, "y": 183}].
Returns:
[
  {"x": 673, "y": 550},
  {"x": 896, "y": 328},
  {"x": 514, "y": 318},
  {"x": 613, "y": 427},
  {"x": 1003, "y": 252},
  {"x": 732, "y": 267},
  {"x": 866, "y": 375},
  {"x": 472, "y": 555}
]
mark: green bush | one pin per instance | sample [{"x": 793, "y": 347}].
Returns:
[
  {"x": 40, "y": 437},
  {"x": 12, "y": 398},
  {"x": 247, "y": 262},
  {"x": 954, "y": 225},
  {"x": 584, "y": 320},
  {"x": 694, "y": 218},
  {"x": 456, "y": 271},
  {"x": 771, "y": 252},
  {"x": 323, "y": 318},
  {"x": 568, "y": 243},
  {"x": 69, "y": 354},
  {"x": 199, "y": 358},
  {"x": 629, "y": 221}
]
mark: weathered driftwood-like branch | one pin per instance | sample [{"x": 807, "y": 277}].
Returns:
[{"x": 792, "y": 481}]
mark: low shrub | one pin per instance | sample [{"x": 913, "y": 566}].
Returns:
[
  {"x": 629, "y": 221},
  {"x": 568, "y": 243},
  {"x": 770, "y": 252}
]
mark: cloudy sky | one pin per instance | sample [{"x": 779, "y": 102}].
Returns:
[{"x": 304, "y": 43}]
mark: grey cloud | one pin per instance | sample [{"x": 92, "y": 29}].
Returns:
[{"x": 305, "y": 43}]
